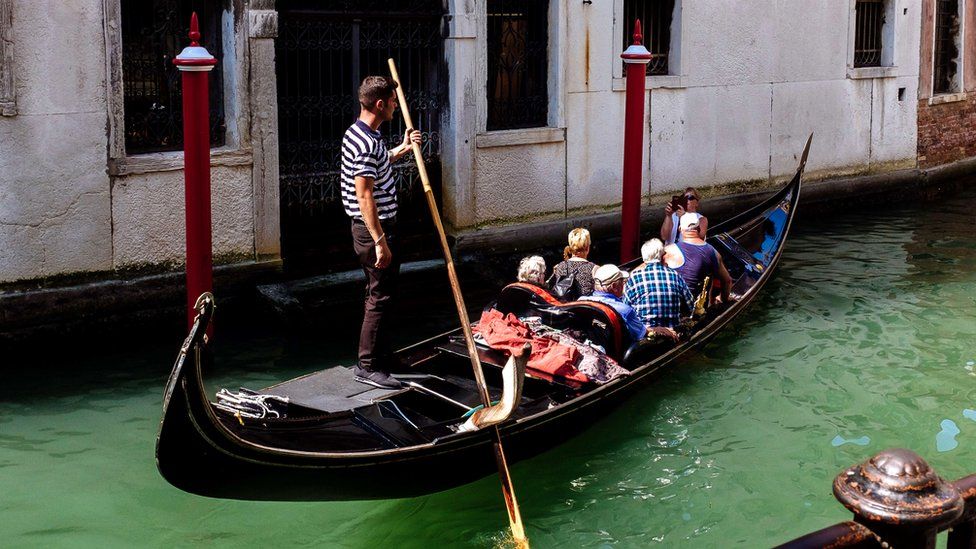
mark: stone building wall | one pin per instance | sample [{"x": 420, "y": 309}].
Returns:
[
  {"x": 947, "y": 121},
  {"x": 72, "y": 200},
  {"x": 55, "y": 197},
  {"x": 946, "y": 131},
  {"x": 748, "y": 82}
]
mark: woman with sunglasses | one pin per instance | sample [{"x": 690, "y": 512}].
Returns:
[{"x": 688, "y": 204}]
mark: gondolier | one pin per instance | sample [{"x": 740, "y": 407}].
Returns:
[{"x": 369, "y": 196}]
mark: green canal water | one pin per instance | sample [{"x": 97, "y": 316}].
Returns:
[{"x": 864, "y": 340}]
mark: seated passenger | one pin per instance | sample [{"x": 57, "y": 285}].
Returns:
[
  {"x": 609, "y": 281},
  {"x": 573, "y": 276},
  {"x": 532, "y": 269},
  {"x": 694, "y": 259},
  {"x": 658, "y": 293},
  {"x": 687, "y": 203}
]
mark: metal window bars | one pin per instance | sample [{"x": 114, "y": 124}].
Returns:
[
  {"x": 655, "y": 17},
  {"x": 323, "y": 51},
  {"x": 946, "y": 66},
  {"x": 518, "y": 47},
  {"x": 153, "y": 33},
  {"x": 869, "y": 21}
]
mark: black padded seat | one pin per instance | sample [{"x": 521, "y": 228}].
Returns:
[{"x": 601, "y": 323}]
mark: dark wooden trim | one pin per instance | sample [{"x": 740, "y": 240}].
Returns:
[
  {"x": 926, "y": 50},
  {"x": 8, "y": 91}
]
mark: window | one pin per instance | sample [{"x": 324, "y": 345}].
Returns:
[
  {"x": 153, "y": 33},
  {"x": 869, "y": 20},
  {"x": 518, "y": 51},
  {"x": 655, "y": 17},
  {"x": 946, "y": 78},
  {"x": 7, "y": 103}
]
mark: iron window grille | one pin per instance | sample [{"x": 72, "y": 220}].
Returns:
[
  {"x": 518, "y": 48},
  {"x": 868, "y": 22},
  {"x": 946, "y": 51},
  {"x": 655, "y": 17},
  {"x": 153, "y": 33}
]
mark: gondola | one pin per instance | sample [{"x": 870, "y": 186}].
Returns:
[{"x": 336, "y": 439}]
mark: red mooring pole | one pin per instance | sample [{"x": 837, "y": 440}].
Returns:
[
  {"x": 635, "y": 57},
  {"x": 195, "y": 64}
]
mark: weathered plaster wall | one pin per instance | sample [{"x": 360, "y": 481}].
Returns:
[
  {"x": 60, "y": 210},
  {"x": 516, "y": 181},
  {"x": 459, "y": 120},
  {"x": 749, "y": 81},
  {"x": 148, "y": 211},
  {"x": 747, "y": 98},
  {"x": 54, "y": 193}
]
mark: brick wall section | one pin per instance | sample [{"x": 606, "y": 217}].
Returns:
[{"x": 946, "y": 132}]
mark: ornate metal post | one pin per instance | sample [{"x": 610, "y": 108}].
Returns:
[
  {"x": 636, "y": 57},
  {"x": 899, "y": 497},
  {"x": 195, "y": 64}
]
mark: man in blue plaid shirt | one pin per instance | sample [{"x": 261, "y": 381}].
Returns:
[{"x": 658, "y": 293}]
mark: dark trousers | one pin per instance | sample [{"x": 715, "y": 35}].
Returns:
[{"x": 381, "y": 296}]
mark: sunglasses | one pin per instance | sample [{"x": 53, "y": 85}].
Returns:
[{"x": 690, "y": 197}]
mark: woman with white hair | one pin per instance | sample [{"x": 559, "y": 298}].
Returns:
[
  {"x": 572, "y": 277},
  {"x": 532, "y": 269}
]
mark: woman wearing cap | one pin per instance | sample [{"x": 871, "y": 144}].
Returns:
[
  {"x": 669, "y": 228},
  {"x": 575, "y": 272}
]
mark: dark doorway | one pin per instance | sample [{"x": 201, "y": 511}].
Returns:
[{"x": 323, "y": 51}]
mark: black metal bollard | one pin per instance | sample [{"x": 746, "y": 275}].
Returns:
[
  {"x": 962, "y": 535},
  {"x": 900, "y": 498}
]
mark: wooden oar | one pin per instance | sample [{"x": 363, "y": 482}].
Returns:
[{"x": 514, "y": 518}]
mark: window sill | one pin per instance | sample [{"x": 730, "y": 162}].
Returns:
[
  {"x": 523, "y": 136},
  {"x": 859, "y": 73},
  {"x": 672, "y": 81},
  {"x": 173, "y": 160},
  {"x": 947, "y": 98}
]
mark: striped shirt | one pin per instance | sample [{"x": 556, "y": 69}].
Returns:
[
  {"x": 364, "y": 154},
  {"x": 658, "y": 294}
]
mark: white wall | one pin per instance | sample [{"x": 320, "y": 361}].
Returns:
[
  {"x": 750, "y": 81},
  {"x": 54, "y": 193},
  {"x": 60, "y": 211},
  {"x": 149, "y": 210}
]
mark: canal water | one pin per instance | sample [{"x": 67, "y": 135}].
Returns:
[{"x": 864, "y": 340}]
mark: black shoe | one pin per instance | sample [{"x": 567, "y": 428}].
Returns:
[{"x": 382, "y": 380}]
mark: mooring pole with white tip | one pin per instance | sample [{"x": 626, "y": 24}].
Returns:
[{"x": 195, "y": 64}]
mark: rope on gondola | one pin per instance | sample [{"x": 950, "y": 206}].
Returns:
[{"x": 247, "y": 403}]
